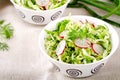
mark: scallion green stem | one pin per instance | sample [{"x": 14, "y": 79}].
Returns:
[
  {"x": 95, "y": 4},
  {"x": 112, "y": 12},
  {"x": 94, "y": 14}
]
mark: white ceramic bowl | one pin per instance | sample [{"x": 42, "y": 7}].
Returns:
[
  {"x": 39, "y": 17},
  {"x": 79, "y": 70}
]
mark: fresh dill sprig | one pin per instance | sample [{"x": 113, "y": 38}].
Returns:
[
  {"x": 6, "y": 32},
  {"x": 3, "y": 46}
]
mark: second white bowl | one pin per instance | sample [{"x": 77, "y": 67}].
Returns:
[{"x": 39, "y": 17}]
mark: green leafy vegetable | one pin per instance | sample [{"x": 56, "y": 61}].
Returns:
[
  {"x": 62, "y": 25},
  {"x": 3, "y": 46},
  {"x": 103, "y": 5},
  {"x": 6, "y": 32}
]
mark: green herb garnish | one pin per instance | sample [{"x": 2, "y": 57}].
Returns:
[{"x": 6, "y": 32}]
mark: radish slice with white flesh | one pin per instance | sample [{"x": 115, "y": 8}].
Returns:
[
  {"x": 84, "y": 43},
  {"x": 60, "y": 48},
  {"x": 63, "y": 34},
  {"x": 97, "y": 48},
  {"x": 43, "y": 3},
  {"x": 81, "y": 21}
]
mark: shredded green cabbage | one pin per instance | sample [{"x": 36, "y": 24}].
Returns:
[
  {"x": 95, "y": 34},
  {"x": 31, "y": 4}
]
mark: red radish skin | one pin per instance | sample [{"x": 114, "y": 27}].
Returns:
[
  {"x": 89, "y": 43},
  {"x": 97, "y": 48},
  {"x": 63, "y": 34},
  {"x": 86, "y": 20},
  {"x": 93, "y": 49},
  {"x": 61, "y": 47},
  {"x": 43, "y": 3},
  {"x": 79, "y": 43},
  {"x": 93, "y": 25},
  {"x": 63, "y": 51},
  {"x": 44, "y": 7},
  {"x": 81, "y": 22}
]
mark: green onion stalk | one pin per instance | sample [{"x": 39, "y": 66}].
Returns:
[{"x": 112, "y": 7}]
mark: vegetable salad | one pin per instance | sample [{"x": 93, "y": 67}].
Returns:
[
  {"x": 78, "y": 42},
  {"x": 40, "y": 4}
]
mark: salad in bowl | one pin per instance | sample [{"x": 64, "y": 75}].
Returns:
[
  {"x": 78, "y": 46},
  {"x": 78, "y": 42},
  {"x": 40, "y": 12},
  {"x": 40, "y": 4}
]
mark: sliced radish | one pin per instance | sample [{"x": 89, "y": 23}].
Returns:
[
  {"x": 97, "y": 48},
  {"x": 44, "y": 7},
  {"x": 60, "y": 48},
  {"x": 81, "y": 21},
  {"x": 84, "y": 43},
  {"x": 93, "y": 25},
  {"x": 42, "y": 2},
  {"x": 86, "y": 20},
  {"x": 63, "y": 34}
]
